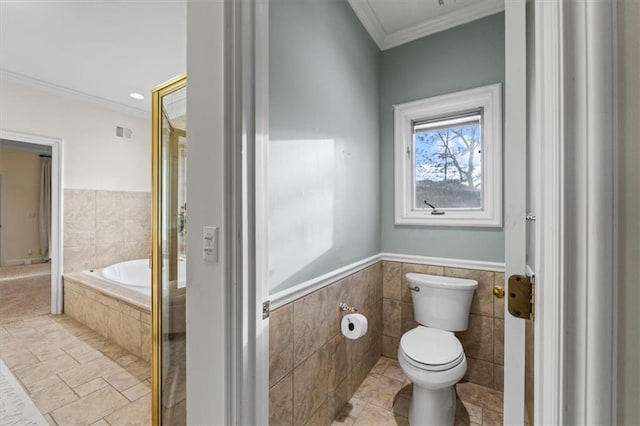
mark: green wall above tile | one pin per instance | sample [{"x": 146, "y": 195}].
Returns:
[{"x": 463, "y": 57}]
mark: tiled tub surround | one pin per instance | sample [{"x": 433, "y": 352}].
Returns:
[
  {"x": 483, "y": 341},
  {"x": 124, "y": 321},
  {"x": 105, "y": 227},
  {"x": 313, "y": 369}
]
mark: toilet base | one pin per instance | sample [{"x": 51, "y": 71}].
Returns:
[{"x": 432, "y": 407}]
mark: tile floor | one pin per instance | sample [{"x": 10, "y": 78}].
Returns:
[
  {"x": 74, "y": 375},
  {"x": 25, "y": 292},
  {"x": 383, "y": 399}
]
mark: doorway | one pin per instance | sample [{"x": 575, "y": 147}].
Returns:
[{"x": 41, "y": 219}]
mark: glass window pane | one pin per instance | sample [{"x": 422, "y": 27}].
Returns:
[{"x": 448, "y": 165}]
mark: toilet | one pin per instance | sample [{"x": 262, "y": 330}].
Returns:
[{"x": 430, "y": 355}]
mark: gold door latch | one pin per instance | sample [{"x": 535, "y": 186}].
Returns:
[{"x": 521, "y": 300}]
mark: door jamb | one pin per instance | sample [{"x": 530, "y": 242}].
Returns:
[{"x": 56, "y": 252}]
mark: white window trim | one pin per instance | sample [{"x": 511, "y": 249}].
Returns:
[{"x": 490, "y": 99}]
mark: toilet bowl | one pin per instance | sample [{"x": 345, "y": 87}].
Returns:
[
  {"x": 434, "y": 362},
  {"x": 430, "y": 355}
]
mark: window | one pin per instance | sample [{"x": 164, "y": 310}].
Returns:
[{"x": 448, "y": 159}]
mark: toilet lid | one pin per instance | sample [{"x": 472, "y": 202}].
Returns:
[{"x": 432, "y": 348}]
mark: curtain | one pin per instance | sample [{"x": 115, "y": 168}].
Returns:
[{"x": 44, "y": 213}]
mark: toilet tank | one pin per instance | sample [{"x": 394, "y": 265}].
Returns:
[{"x": 441, "y": 302}]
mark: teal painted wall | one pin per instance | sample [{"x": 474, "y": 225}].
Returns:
[
  {"x": 324, "y": 143},
  {"x": 461, "y": 58}
]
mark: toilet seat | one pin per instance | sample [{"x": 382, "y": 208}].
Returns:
[{"x": 432, "y": 349}]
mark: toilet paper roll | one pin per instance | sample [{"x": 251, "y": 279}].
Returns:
[{"x": 354, "y": 326}]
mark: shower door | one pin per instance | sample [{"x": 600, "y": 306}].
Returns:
[{"x": 169, "y": 253}]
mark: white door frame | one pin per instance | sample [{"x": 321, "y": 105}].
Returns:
[
  {"x": 56, "y": 252},
  {"x": 515, "y": 200},
  {"x": 3, "y": 191},
  {"x": 575, "y": 327}
]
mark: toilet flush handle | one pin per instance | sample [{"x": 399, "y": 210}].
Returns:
[{"x": 415, "y": 288}]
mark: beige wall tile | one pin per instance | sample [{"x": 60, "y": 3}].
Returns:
[
  {"x": 310, "y": 386},
  {"x": 339, "y": 361},
  {"x": 408, "y": 317},
  {"x": 137, "y": 204},
  {"x": 391, "y": 317},
  {"x": 109, "y": 254},
  {"x": 498, "y": 328},
  {"x": 498, "y": 377},
  {"x": 110, "y": 231},
  {"x": 477, "y": 340},
  {"x": 79, "y": 258},
  {"x": 421, "y": 269},
  {"x": 339, "y": 397},
  {"x": 137, "y": 250},
  {"x": 479, "y": 372},
  {"x": 281, "y": 402},
  {"x": 136, "y": 230},
  {"x": 320, "y": 417},
  {"x": 280, "y": 338},
  {"x": 145, "y": 342},
  {"x": 390, "y": 347},
  {"x": 341, "y": 291},
  {"x": 309, "y": 325},
  {"x": 125, "y": 332},
  {"x": 498, "y": 304},
  {"x": 90, "y": 408},
  {"x": 482, "y": 302},
  {"x": 392, "y": 280},
  {"x": 109, "y": 206}
]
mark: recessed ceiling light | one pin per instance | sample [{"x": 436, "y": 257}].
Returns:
[{"x": 136, "y": 96}]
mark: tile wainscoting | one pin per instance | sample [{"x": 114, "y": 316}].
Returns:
[
  {"x": 124, "y": 324},
  {"x": 483, "y": 342},
  {"x": 313, "y": 369},
  {"x": 105, "y": 227}
]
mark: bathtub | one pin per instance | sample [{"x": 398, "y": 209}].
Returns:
[{"x": 133, "y": 274}]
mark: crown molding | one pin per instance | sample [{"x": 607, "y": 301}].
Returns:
[
  {"x": 60, "y": 90},
  {"x": 370, "y": 21}
]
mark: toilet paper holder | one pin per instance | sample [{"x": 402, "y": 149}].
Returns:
[{"x": 346, "y": 308}]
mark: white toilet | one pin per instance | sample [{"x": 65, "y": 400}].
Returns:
[{"x": 430, "y": 354}]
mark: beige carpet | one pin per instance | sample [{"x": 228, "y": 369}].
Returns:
[{"x": 25, "y": 292}]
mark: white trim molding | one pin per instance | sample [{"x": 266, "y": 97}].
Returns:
[
  {"x": 56, "y": 252},
  {"x": 488, "y": 100},
  {"x": 587, "y": 209},
  {"x": 479, "y": 265},
  {"x": 384, "y": 40},
  {"x": 291, "y": 294},
  {"x": 60, "y": 90}
]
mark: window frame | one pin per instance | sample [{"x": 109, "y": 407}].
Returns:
[{"x": 489, "y": 100}]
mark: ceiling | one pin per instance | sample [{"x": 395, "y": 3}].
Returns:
[
  {"x": 107, "y": 49},
  {"x": 104, "y": 49},
  {"x": 394, "y": 22}
]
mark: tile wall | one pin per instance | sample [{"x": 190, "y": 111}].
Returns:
[
  {"x": 126, "y": 325},
  {"x": 105, "y": 227},
  {"x": 313, "y": 369},
  {"x": 483, "y": 342}
]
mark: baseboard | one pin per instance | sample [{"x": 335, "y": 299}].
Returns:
[{"x": 28, "y": 261}]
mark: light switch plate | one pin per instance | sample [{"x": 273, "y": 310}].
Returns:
[{"x": 210, "y": 243}]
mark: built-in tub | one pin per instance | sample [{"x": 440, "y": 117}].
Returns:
[{"x": 115, "y": 301}]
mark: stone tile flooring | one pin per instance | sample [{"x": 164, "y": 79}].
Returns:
[
  {"x": 74, "y": 375},
  {"x": 383, "y": 399}
]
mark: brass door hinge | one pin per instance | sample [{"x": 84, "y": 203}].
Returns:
[{"x": 521, "y": 301}]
